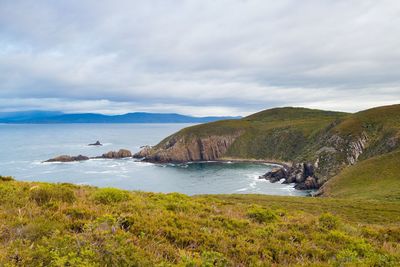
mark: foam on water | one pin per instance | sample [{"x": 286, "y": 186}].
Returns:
[{"x": 23, "y": 158}]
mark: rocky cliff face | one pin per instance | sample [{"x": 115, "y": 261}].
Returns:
[
  {"x": 336, "y": 153},
  {"x": 183, "y": 149},
  {"x": 302, "y": 174}
]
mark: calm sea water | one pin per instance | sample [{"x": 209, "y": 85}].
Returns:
[{"x": 24, "y": 147}]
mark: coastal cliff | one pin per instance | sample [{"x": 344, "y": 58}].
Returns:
[
  {"x": 183, "y": 149},
  {"x": 328, "y": 141}
]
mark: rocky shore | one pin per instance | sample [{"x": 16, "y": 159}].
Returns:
[{"x": 302, "y": 174}]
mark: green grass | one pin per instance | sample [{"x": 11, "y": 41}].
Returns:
[
  {"x": 374, "y": 178},
  {"x": 291, "y": 135},
  {"x": 66, "y": 225},
  {"x": 358, "y": 225},
  {"x": 277, "y": 134},
  {"x": 296, "y": 134},
  {"x": 293, "y": 114},
  {"x": 375, "y": 119}
]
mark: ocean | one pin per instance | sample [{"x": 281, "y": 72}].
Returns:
[{"x": 23, "y": 148}]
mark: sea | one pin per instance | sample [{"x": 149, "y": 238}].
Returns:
[{"x": 24, "y": 147}]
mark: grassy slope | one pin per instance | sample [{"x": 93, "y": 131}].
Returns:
[
  {"x": 296, "y": 134},
  {"x": 381, "y": 124},
  {"x": 374, "y": 178},
  {"x": 385, "y": 117},
  {"x": 279, "y": 134},
  {"x": 57, "y": 225},
  {"x": 377, "y": 175},
  {"x": 290, "y": 134}
]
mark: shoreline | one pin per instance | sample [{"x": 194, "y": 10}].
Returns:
[{"x": 222, "y": 160}]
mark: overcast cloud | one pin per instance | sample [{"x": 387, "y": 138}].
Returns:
[{"x": 208, "y": 57}]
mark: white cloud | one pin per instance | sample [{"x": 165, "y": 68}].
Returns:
[{"x": 199, "y": 57}]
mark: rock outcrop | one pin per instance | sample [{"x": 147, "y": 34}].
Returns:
[
  {"x": 302, "y": 174},
  {"x": 122, "y": 153},
  {"x": 66, "y": 158},
  {"x": 95, "y": 144},
  {"x": 182, "y": 149}
]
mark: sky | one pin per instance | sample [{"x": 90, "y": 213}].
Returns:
[{"x": 208, "y": 57}]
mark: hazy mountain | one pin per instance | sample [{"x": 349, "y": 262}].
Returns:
[{"x": 137, "y": 117}]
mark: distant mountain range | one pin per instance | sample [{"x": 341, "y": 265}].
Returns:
[{"x": 50, "y": 117}]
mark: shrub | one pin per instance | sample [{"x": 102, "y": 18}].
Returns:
[
  {"x": 212, "y": 258},
  {"x": 261, "y": 215},
  {"x": 126, "y": 222},
  {"x": 110, "y": 195},
  {"x": 328, "y": 221},
  {"x": 78, "y": 214},
  {"x": 346, "y": 256},
  {"x": 6, "y": 178},
  {"x": 39, "y": 228},
  {"x": 45, "y": 193}
]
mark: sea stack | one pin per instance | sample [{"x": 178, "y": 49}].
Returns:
[{"x": 96, "y": 144}]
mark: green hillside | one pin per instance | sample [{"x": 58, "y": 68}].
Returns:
[
  {"x": 281, "y": 134},
  {"x": 374, "y": 178},
  {"x": 66, "y": 225},
  {"x": 357, "y": 224},
  {"x": 328, "y": 140}
]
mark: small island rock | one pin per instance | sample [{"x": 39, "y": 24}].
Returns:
[
  {"x": 66, "y": 158},
  {"x": 122, "y": 153},
  {"x": 96, "y": 144}
]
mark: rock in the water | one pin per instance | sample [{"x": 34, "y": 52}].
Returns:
[
  {"x": 303, "y": 174},
  {"x": 275, "y": 175},
  {"x": 309, "y": 183},
  {"x": 144, "y": 152},
  {"x": 66, "y": 158},
  {"x": 122, "y": 153},
  {"x": 96, "y": 144}
]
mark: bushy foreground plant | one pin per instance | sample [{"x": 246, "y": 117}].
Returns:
[
  {"x": 64, "y": 225},
  {"x": 6, "y": 178},
  {"x": 46, "y": 193},
  {"x": 110, "y": 195}
]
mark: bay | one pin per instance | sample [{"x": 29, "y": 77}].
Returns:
[{"x": 23, "y": 148}]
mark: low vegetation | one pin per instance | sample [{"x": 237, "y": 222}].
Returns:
[
  {"x": 374, "y": 178},
  {"x": 66, "y": 225},
  {"x": 357, "y": 223}
]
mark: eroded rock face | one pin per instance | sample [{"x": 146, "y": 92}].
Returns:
[
  {"x": 144, "y": 152},
  {"x": 275, "y": 175},
  {"x": 189, "y": 149},
  {"x": 309, "y": 183},
  {"x": 66, "y": 158},
  {"x": 336, "y": 152},
  {"x": 356, "y": 148},
  {"x": 122, "y": 153}
]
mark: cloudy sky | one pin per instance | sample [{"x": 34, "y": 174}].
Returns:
[{"x": 208, "y": 57}]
